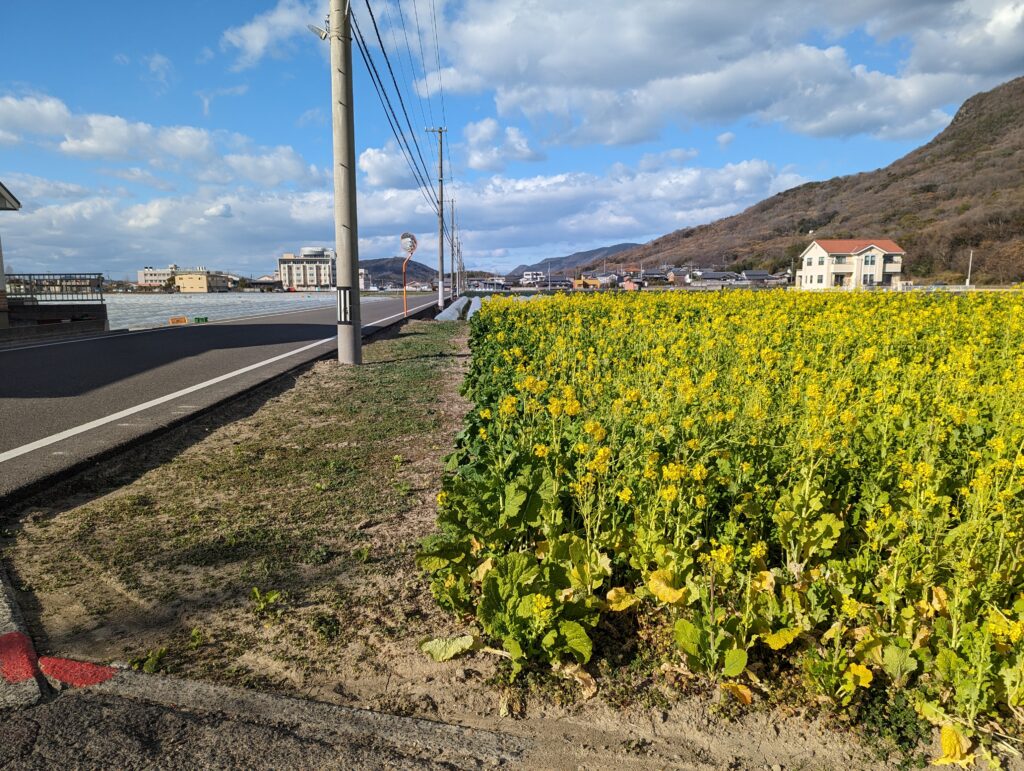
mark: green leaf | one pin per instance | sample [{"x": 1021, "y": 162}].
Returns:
[
  {"x": 576, "y": 640},
  {"x": 687, "y": 637},
  {"x": 899, "y": 663},
  {"x": 515, "y": 497},
  {"x": 447, "y": 648},
  {"x": 735, "y": 662}
]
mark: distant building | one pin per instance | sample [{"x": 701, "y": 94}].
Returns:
[
  {"x": 533, "y": 277},
  {"x": 851, "y": 264},
  {"x": 365, "y": 280},
  {"x": 7, "y": 203},
  {"x": 155, "y": 277},
  {"x": 313, "y": 269},
  {"x": 201, "y": 281}
]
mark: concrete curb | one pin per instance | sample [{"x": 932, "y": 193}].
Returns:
[
  {"x": 442, "y": 743},
  {"x": 21, "y": 684}
]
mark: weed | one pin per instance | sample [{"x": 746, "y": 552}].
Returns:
[
  {"x": 327, "y": 626},
  {"x": 151, "y": 663},
  {"x": 266, "y": 603},
  {"x": 362, "y": 554}
]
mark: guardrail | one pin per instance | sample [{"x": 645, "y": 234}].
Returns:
[{"x": 55, "y": 287}]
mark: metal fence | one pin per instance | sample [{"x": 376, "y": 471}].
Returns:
[{"x": 55, "y": 287}]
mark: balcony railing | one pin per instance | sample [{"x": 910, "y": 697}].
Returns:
[{"x": 55, "y": 287}]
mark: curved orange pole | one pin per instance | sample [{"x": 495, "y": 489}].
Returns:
[{"x": 405, "y": 302}]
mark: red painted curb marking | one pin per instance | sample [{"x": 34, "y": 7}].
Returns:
[
  {"x": 75, "y": 673},
  {"x": 17, "y": 658}
]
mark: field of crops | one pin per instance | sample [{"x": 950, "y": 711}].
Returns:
[{"x": 827, "y": 483}]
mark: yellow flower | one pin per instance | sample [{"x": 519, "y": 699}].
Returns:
[
  {"x": 669, "y": 493},
  {"x": 625, "y": 495},
  {"x": 540, "y": 450}
]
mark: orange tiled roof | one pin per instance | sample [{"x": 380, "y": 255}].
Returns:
[{"x": 854, "y": 245}]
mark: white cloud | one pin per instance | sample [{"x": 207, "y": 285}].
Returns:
[
  {"x": 543, "y": 215},
  {"x": 267, "y": 33},
  {"x": 222, "y": 210},
  {"x": 207, "y": 97},
  {"x": 160, "y": 69},
  {"x": 107, "y": 136},
  {"x": 386, "y": 167},
  {"x": 139, "y": 176},
  {"x": 33, "y": 114},
  {"x": 312, "y": 117},
  {"x": 491, "y": 148},
  {"x": 272, "y": 168},
  {"x": 602, "y": 72},
  {"x": 725, "y": 139}
]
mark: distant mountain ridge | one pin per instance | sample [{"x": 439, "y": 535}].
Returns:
[
  {"x": 963, "y": 190},
  {"x": 570, "y": 262},
  {"x": 389, "y": 270}
]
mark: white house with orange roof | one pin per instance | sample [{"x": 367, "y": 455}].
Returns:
[{"x": 851, "y": 263}]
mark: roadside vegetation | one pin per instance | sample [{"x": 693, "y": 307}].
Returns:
[
  {"x": 814, "y": 495},
  {"x": 273, "y": 551}
]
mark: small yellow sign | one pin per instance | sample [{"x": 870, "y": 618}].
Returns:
[{"x": 175, "y": 320}]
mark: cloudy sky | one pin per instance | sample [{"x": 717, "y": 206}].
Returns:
[{"x": 197, "y": 132}]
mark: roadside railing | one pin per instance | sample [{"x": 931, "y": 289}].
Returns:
[{"x": 55, "y": 287}]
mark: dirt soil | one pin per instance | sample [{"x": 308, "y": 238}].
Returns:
[{"x": 272, "y": 545}]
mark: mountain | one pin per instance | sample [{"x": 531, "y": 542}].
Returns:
[
  {"x": 570, "y": 262},
  {"x": 963, "y": 190},
  {"x": 389, "y": 270}
]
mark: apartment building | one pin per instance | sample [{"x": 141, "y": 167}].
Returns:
[
  {"x": 851, "y": 264},
  {"x": 155, "y": 277},
  {"x": 312, "y": 269}
]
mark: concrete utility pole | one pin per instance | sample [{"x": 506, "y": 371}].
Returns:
[
  {"x": 440, "y": 214},
  {"x": 346, "y": 231},
  {"x": 970, "y": 264},
  {"x": 452, "y": 258}
]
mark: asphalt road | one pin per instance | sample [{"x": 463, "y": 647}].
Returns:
[{"x": 64, "y": 403}]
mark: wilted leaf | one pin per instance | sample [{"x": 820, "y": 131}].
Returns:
[
  {"x": 483, "y": 569},
  {"x": 619, "y": 599},
  {"x": 660, "y": 585},
  {"x": 764, "y": 581},
  {"x": 735, "y": 662},
  {"x": 781, "y": 638},
  {"x": 447, "y": 648},
  {"x": 859, "y": 675},
  {"x": 739, "y": 692},
  {"x": 586, "y": 681},
  {"x": 955, "y": 748}
]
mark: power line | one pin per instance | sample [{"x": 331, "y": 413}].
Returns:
[
  {"x": 398, "y": 91},
  {"x": 412, "y": 66},
  {"x": 389, "y": 112}
]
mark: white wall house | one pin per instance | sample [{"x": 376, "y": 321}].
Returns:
[{"x": 851, "y": 264}]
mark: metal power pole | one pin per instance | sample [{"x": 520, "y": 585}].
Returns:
[
  {"x": 346, "y": 239},
  {"x": 440, "y": 214}
]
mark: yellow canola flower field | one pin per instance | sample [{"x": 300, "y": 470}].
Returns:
[{"x": 836, "y": 479}]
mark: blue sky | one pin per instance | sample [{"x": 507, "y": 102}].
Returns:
[{"x": 142, "y": 134}]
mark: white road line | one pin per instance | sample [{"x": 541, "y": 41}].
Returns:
[{"x": 26, "y": 448}]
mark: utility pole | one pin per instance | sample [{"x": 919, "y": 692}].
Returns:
[
  {"x": 451, "y": 261},
  {"x": 970, "y": 264},
  {"x": 440, "y": 214},
  {"x": 346, "y": 230}
]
